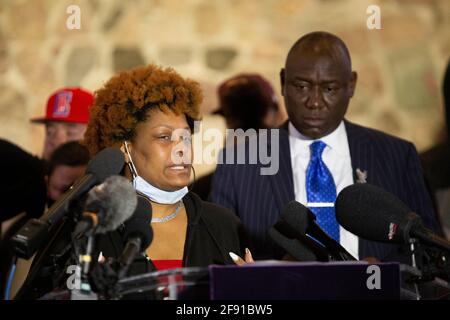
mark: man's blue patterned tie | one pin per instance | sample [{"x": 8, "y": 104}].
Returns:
[{"x": 320, "y": 188}]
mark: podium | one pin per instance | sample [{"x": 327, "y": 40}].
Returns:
[
  {"x": 278, "y": 280},
  {"x": 273, "y": 280},
  {"x": 306, "y": 281}
]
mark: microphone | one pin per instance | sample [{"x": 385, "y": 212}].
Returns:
[
  {"x": 375, "y": 214},
  {"x": 108, "y": 205},
  {"x": 36, "y": 231},
  {"x": 294, "y": 247},
  {"x": 302, "y": 221},
  {"x": 138, "y": 235}
]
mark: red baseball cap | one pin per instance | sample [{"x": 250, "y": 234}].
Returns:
[{"x": 68, "y": 105}]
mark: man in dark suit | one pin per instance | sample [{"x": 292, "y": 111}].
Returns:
[{"x": 320, "y": 153}]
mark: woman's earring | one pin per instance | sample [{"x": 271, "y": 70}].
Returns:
[
  {"x": 125, "y": 153},
  {"x": 128, "y": 159},
  {"x": 193, "y": 181}
]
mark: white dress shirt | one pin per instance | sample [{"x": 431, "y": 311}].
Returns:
[{"x": 336, "y": 156}]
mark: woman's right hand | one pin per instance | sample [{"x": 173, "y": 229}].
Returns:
[{"x": 239, "y": 261}]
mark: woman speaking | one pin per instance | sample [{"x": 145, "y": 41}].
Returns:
[{"x": 149, "y": 113}]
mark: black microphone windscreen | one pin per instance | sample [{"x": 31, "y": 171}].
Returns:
[
  {"x": 293, "y": 247},
  {"x": 371, "y": 212},
  {"x": 114, "y": 201},
  {"x": 139, "y": 225},
  {"x": 107, "y": 162},
  {"x": 296, "y": 216}
]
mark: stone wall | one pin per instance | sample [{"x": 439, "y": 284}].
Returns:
[{"x": 400, "y": 66}]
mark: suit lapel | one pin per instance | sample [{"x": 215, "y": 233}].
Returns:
[
  {"x": 363, "y": 158},
  {"x": 282, "y": 183},
  {"x": 361, "y": 151}
]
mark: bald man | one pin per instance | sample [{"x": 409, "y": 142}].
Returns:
[{"x": 320, "y": 153}]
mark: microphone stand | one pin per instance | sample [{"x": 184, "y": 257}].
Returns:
[
  {"x": 429, "y": 270},
  {"x": 412, "y": 248},
  {"x": 84, "y": 292}
]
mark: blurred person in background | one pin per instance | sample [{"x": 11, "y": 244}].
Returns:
[
  {"x": 247, "y": 101},
  {"x": 32, "y": 186},
  {"x": 66, "y": 164},
  {"x": 436, "y": 164},
  {"x": 66, "y": 117}
]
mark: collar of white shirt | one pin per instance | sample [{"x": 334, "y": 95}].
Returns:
[{"x": 336, "y": 140}]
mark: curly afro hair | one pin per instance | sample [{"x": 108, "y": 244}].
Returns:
[{"x": 124, "y": 100}]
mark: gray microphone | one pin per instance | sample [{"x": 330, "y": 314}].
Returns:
[{"x": 108, "y": 205}]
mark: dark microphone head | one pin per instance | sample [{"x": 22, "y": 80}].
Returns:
[
  {"x": 374, "y": 214},
  {"x": 107, "y": 162},
  {"x": 139, "y": 225},
  {"x": 296, "y": 216},
  {"x": 290, "y": 234},
  {"x": 114, "y": 201},
  {"x": 293, "y": 247}
]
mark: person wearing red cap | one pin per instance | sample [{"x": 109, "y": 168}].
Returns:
[{"x": 66, "y": 117}]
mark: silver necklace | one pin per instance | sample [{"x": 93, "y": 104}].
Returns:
[{"x": 170, "y": 216}]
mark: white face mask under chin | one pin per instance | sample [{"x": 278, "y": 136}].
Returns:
[
  {"x": 157, "y": 195},
  {"x": 153, "y": 193}
]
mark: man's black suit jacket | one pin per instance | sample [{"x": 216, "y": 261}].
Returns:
[{"x": 391, "y": 163}]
